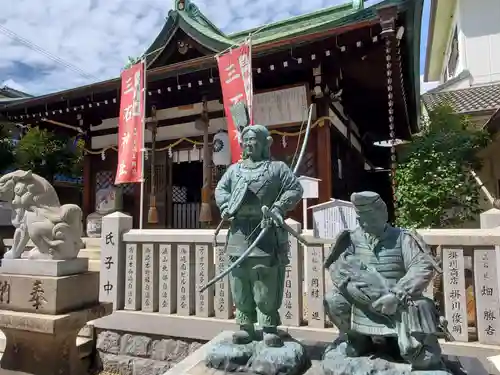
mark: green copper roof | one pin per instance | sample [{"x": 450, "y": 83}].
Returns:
[{"x": 187, "y": 16}]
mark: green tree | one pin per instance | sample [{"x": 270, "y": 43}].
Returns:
[
  {"x": 6, "y": 146},
  {"x": 48, "y": 154},
  {"x": 434, "y": 185}
]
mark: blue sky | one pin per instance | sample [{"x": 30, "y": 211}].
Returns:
[
  {"x": 95, "y": 37},
  {"x": 423, "y": 34},
  {"x": 423, "y": 45}
]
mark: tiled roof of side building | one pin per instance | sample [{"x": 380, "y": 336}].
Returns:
[{"x": 472, "y": 99}]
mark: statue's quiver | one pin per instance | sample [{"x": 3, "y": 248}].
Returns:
[
  {"x": 341, "y": 244},
  {"x": 237, "y": 196},
  {"x": 425, "y": 249}
]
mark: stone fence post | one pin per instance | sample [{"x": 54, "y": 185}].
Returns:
[{"x": 112, "y": 270}]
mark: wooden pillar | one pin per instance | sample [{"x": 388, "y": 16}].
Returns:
[
  {"x": 88, "y": 182},
  {"x": 206, "y": 190},
  {"x": 323, "y": 152},
  {"x": 170, "y": 206},
  {"x": 137, "y": 205},
  {"x": 153, "y": 128}
]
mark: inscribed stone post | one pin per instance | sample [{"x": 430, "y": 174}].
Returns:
[
  {"x": 112, "y": 282},
  {"x": 223, "y": 296},
  {"x": 204, "y": 273},
  {"x": 186, "y": 287},
  {"x": 315, "y": 286},
  {"x": 291, "y": 308},
  {"x": 487, "y": 296},
  {"x": 168, "y": 279},
  {"x": 455, "y": 300},
  {"x": 149, "y": 278},
  {"x": 133, "y": 272}
]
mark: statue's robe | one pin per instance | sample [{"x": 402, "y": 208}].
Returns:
[
  {"x": 243, "y": 191},
  {"x": 399, "y": 257}
]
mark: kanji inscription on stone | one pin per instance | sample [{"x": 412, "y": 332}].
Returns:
[
  {"x": 487, "y": 296},
  {"x": 455, "y": 300},
  {"x": 168, "y": 279},
  {"x": 133, "y": 276}
]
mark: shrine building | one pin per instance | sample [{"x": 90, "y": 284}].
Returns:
[{"x": 358, "y": 65}]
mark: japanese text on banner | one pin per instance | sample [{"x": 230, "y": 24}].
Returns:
[
  {"x": 235, "y": 71},
  {"x": 130, "y": 125}
]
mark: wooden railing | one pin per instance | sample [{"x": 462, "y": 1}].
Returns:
[{"x": 159, "y": 272}]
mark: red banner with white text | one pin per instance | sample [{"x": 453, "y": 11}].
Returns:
[
  {"x": 235, "y": 72},
  {"x": 131, "y": 125}
]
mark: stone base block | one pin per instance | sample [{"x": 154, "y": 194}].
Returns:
[
  {"x": 123, "y": 364},
  {"x": 45, "y": 267},
  {"x": 45, "y": 344},
  {"x": 47, "y": 294}
]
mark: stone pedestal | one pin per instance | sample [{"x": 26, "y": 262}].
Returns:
[
  {"x": 45, "y": 267},
  {"x": 41, "y": 315}
]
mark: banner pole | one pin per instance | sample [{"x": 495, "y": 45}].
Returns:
[
  {"x": 143, "y": 154},
  {"x": 250, "y": 99}
]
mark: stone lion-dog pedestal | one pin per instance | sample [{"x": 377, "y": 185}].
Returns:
[{"x": 44, "y": 304}]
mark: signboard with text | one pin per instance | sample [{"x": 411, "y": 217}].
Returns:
[
  {"x": 131, "y": 125},
  {"x": 235, "y": 72}
]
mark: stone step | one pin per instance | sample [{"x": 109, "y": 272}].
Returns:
[
  {"x": 94, "y": 265},
  {"x": 91, "y": 242},
  {"x": 85, "y": 346},
  {"x": 90, "y": 253}
]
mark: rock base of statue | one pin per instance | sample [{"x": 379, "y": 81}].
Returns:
[
  {"x": 258, "y": 358},
  {"x": 229, "y": 357},
  {"x": 41, "y": 317},
  {"x": 336, "y": 362},
  {"x": 290, "y": 359}
]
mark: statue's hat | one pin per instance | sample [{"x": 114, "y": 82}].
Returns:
[{"x": 367, "y": 201}]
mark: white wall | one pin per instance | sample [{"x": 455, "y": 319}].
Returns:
[
  {"x": 455, "y": 23},
  {"x": 479, "y": 24}
]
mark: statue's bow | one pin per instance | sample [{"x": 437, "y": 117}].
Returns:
[{"x": 269, "y": 214}]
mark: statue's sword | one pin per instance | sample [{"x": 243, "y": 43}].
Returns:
[{"x": 268, "y": 213}]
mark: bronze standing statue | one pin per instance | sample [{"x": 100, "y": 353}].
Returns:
[
  {"x": 254, "y": 195},
  {"x": 257, "y": 283},
  {"x": 379, "y": 273}
]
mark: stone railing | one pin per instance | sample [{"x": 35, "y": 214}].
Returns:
[
  {"x": 154, "y": 277},
  {"x": 468, "y": 290}
]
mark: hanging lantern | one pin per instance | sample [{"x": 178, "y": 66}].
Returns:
[{"x": 220, "y": 148}]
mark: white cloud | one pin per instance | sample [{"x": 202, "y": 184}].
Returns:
[
  {"x": 426, "y": 86},
  {"x": 97, "y": 36}
]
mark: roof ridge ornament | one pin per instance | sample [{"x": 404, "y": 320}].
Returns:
[
  {"x": 180, "y": 4},
  {"x": 358, "y": 4},
  {"x": 191, "y": 10}
]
